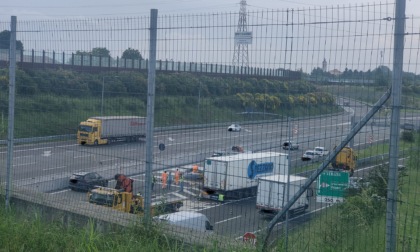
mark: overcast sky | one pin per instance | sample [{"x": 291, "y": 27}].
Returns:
[
  {"x": 53, "y": 9},
  {"x": 266, "y": 51}
]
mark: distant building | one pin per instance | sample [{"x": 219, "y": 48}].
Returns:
[
  {"x": 324, "y": 65},
  {"x": 335, "y": 72}
]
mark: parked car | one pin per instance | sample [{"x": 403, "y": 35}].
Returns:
[
  {"x": 309, "y": 155},
  {"x": 289, "y": 145},
  {"x": 85, "y": 181},
  {"x": 234, "y": 127},
  {"x": 408, "y": 126}
]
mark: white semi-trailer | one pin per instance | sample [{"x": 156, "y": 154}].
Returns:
[
  {"x": 272, "y": 194},
  {"x": 237, "y": 175},
  {"x": 107, "y": 129}
]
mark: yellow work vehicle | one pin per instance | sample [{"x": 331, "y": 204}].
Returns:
[
  {"x": 129, "y": 203},
  {"x": 345, "y": 160}
]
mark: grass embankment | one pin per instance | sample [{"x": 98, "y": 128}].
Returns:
[
  {"x": 59, "y": 115},
  {"x": 359, "y": 224},
  {"x": 31, "y": 233}
]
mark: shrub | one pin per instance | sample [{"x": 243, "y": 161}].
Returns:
[{"x": 407, "y": 135}]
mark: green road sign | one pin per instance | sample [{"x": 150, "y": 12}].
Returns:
[{"x": 331, "y": 186}]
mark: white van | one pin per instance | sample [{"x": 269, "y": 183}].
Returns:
[{"x": 192, "y": 220}]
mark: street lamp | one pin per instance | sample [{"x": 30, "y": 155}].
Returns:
[{"x": 103, "y": 90}]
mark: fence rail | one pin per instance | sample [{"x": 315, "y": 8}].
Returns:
[
  {"x": 98, "y": 63},
  {"x": 321, "y": 69}
]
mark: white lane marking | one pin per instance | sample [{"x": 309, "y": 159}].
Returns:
[
  {"x": 24, "y": 164},
  {"x": 82, "y": 156},
  {"x": 65, "y": 190},
  {"x": 129, "y": 150},
  {"x": 189, "y": 192},
  {"x": 23, "y": 157},
  {"x": 228, "y": 202},
  {"x": 105, "y": 160},
  {"x": 54, "y": 168},
  {"x": 236, "y": 217},
  {"x": 179, "y": 195}
]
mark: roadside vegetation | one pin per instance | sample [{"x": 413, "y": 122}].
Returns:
[
  {"x": 359, "y": 223},
  {"x": 53, "y": 102},
  {"x": 31, "y": 233}
]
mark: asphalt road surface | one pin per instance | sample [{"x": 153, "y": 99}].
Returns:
[{"x": 46, "y": 167}]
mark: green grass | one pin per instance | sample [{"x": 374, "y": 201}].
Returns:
[
  {"x": 356, "y": 225},
  {"x": 31, "y": 233}
]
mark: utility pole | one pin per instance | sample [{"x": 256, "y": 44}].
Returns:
[{"x": 242, "y": 39}]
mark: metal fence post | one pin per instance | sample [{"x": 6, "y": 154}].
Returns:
[
  {"x": 11, "y": 119},
  {"x": 150, "y": 113},
  {"x": 392, "y": 192}
]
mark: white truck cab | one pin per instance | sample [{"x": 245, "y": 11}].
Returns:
[{"x": 321, "y": 151}]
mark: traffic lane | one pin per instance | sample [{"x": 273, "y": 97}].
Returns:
[
  {"x": 84, "y": 156},
  {"x": 87, "y": 158},
  {"x": 234, "y": 217}
]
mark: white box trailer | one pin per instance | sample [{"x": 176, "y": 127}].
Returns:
[
  {"x": 236, "y": 176},
  {"x": 272, "y": 194},
  {"x": 118, "y": 126}
]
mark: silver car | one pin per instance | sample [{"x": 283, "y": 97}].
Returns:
[{"x": 309, "y": 155}]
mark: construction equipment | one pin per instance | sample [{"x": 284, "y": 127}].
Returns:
[
  {"x": 124, "y": 183},
  {"x": 345, "y": 160},
  {"x": 129, "y": 203}
]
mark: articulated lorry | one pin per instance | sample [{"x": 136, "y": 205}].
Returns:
[
  {"x": 236, "y": 176},
  {"x": 272, "y": 194},
  {"x": 127, "y": 202},
  {"x": 108, "y": 129}
]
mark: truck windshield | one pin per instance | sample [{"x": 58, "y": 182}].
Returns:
[
  {"x": 102, "y": 199},
  {"x": 85, "y": 128}
]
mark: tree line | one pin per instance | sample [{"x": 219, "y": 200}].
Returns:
[{"x": 246, "y": 92}]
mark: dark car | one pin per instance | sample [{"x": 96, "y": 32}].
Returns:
[
  {"x": 190, "y": 174},
  {"x": 219, "y": 154},
  {"x": 289, "y": 145},
  {"x": 194, "y": 175},
  {"x": 85, "y": 181}
]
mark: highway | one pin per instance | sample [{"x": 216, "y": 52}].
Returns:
[{"x": 46, "y": 167}]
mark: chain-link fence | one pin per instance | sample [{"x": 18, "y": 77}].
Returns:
[{"x": 248, "y": 107}]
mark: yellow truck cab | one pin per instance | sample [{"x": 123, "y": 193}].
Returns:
[{"x": 89, "y": 132}]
